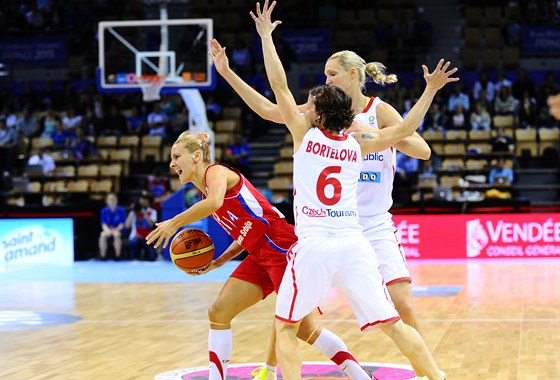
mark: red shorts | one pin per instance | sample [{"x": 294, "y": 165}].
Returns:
[{"x": 266, "y": 264}]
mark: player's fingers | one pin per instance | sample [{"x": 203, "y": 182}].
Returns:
[{"x": 446, "y": 65}]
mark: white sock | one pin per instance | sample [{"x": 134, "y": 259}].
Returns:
[
  {"x": 270, "y": 367},
  {"x": 219, "y": 351},
  {"x": 335, "y": 349}
]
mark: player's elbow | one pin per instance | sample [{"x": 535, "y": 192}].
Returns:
[
  {"x": 425, "y": 154},
  {"x": 212, "y": 205}
]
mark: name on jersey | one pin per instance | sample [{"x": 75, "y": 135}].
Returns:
[
  {"x": 327, "y": 213},
  {"x": 373, "y": 157},
  {"x": 323, "y": 150},
  {"x": 244, "y": 231},
  {"x": 370, "y": 177}
]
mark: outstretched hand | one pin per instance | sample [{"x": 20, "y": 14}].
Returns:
[
  {"x": 440, "y": 76},
  {"x": 263, "y": 21},
  {"x": 162, "y": 234},
  {"x": 218, "y": 54}
]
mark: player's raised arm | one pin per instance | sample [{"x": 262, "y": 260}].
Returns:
[
  {"x": 374, "y": 142},
  {"x": 255, "y": 100},
  {"x": 294, "y": 120}
]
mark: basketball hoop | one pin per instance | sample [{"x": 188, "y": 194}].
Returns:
[{"x": 151, "y": 86}]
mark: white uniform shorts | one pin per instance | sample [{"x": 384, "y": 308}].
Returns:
[
  {"x": 381, "y": 233},
  {"x": 316, "y": 264}
]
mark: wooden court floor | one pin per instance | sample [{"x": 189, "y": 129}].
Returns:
[{"x": 503, "y": 325}]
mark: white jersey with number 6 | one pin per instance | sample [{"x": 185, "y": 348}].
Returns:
[{"x": 326, "y": 171}]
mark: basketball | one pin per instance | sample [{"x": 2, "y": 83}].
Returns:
[{"x": 191, "y": 249}]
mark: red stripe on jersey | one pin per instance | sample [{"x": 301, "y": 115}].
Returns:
[
  {"x": 371, "y": 99},
  {"x": 333, "y": 137},
  {"x": 400, "y": 279},
  {"x": 293, "y": 258}
]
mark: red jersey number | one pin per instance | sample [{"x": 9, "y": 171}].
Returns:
[{"x": 324, "y": 180}]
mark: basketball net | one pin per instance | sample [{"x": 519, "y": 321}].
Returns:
[{"x": 151, "y": 86}]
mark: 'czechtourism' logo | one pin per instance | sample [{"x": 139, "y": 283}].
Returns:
[{"x": 309, "y": 370}]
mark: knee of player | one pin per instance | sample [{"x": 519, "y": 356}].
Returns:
[
  {"x": 218, "y": 314},
  {"x": 406, "y": 312}
]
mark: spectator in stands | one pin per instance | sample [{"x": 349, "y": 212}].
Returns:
[
  {"x": 435, "y": 119},
  {"x": 71, "y": 120},
  {"x": 48, "y": 123},
  {"x": 91, "y": 124},
  {"x": 483, "y": 83},
  {"x": 9, "y": 116},
  {"x": 528, "y": 111},
  {"x": 80, "y": 146},
  {"x": 8, "y": 142},
  {"x": 459, "y": 119},
  {"x": 523, "y": 84},
  {"x": 114, "y": 123},
  {"x": 27, "y": 125},
  {"x": 113, "y": 218},
  {"x": 136, "y": 122},
  {"x": 60, "y": 136},
  {"x": 167, "y": 105},
  {"x": 157, "y": 122},
  {"x": 429, "y": 166},
  {"x": 406, "y": 176},
  {"x": 237, "y": 155},
  {"x": 504, "y": 104},
  {"x": 458, "y": 97},
  {"x": 502, "y": 81},
  {"x": 501, "y": 142},
  {"x": 158, "y": 186},
  {"x": 500, "y": 170},
  {"x": 41, "y": 157},
  {"x": 141, "y": 221},
  {"x": 480, "y": 118}
]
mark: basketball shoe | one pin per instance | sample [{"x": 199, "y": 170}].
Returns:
[{"x": 263, "y": 373}]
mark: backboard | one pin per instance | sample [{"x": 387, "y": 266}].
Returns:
[{"x": 134, "y": 51}]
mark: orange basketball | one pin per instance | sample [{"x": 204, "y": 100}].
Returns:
[{"x": 191, "y": 248}]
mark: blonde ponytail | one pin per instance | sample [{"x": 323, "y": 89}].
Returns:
[{"x": 376, "y": 70}]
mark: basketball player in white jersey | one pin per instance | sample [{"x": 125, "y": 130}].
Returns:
[
  {"x": 348, "y": 71},
  {"x": 331, "y": 250}
]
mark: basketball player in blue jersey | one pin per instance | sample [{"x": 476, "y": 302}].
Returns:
[
  {"x": 348, "y": 71},
  {"x": 257, "y": 227},
  {"x": 331, "y": 250}
]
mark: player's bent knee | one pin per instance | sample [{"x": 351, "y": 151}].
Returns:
[{"x": 218, "y": 314}]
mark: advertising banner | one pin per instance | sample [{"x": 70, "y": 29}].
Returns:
[
  {"x": 34, "y": 50},
  {"x": 36, "y": 241},
  {"x": 479, "y": 236},
  {"x": 541, "y": 40}
]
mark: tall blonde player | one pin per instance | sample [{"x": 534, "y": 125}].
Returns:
[{"x": 348, "y": 71}]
